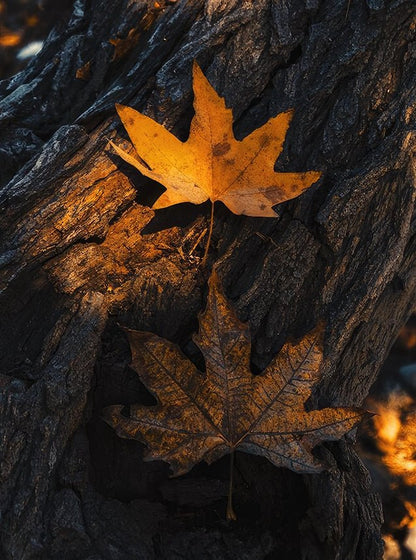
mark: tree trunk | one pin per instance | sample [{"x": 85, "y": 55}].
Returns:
[{"x": 82, "y": 252}]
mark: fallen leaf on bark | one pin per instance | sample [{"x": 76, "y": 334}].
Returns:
[
  {"x": 212, "y": 164},
  {"x": 203, "y": 416}
]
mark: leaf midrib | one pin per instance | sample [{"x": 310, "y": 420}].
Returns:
[{"x": 257, "y": 420}]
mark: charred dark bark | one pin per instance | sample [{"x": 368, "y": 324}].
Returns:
[{"x": 82, "y": 251}]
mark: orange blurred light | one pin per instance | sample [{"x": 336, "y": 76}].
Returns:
[
  {"x": 9, "y": 39},
  {"x": 395, "y": 425}
]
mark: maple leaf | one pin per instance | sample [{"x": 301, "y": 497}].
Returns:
[
  {"x": 205, "y": 416},
  {"x": 212, "y": 164}
]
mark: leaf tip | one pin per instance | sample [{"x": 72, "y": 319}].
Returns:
[
  {"x": 119, "y": 107},
  {"x": 316, "y": 175},
  {"x": 216, "y": 291},
  {"x": 196, "y": 69},
  {"x": 110, "y": 414},
  {"x": 138, "y": 337},
  {"x": 214, "y": 281},
  {"x": 290, "y": 113}
]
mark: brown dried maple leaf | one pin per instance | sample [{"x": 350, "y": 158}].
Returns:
[
  {"x": 212, "y": 164},
  {"x": 205, "y": 416}
]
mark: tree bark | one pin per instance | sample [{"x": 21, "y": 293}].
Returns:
[{"x": 83, "y": 252}]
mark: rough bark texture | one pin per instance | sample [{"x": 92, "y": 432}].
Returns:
[{"x": 82, "y": 251}]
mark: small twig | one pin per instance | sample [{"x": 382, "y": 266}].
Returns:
[
  {"x": 211, "y": 225},
  {"x": 266, "y": 238},
  {"x": 200, "y": 236},
  {"x": 188, "y": 236},
  {"x": 231, "y": 516},
  {"x": 181, "y": 253},
  {"x": 348, "y": 9}
]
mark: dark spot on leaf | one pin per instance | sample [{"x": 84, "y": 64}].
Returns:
[
  {"x": 275, "y": 194},
  {"x": 265, "y": 140},
  {"x": 221, "y": 148}
]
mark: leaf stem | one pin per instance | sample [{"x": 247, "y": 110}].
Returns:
[
  {"x": 348, "y": 9},
  {"x": 231, "y": 516},
  {"x": 211, "y": 225}
]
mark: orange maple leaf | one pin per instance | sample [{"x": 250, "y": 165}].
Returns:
[{"x": 212, "y": 164}]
